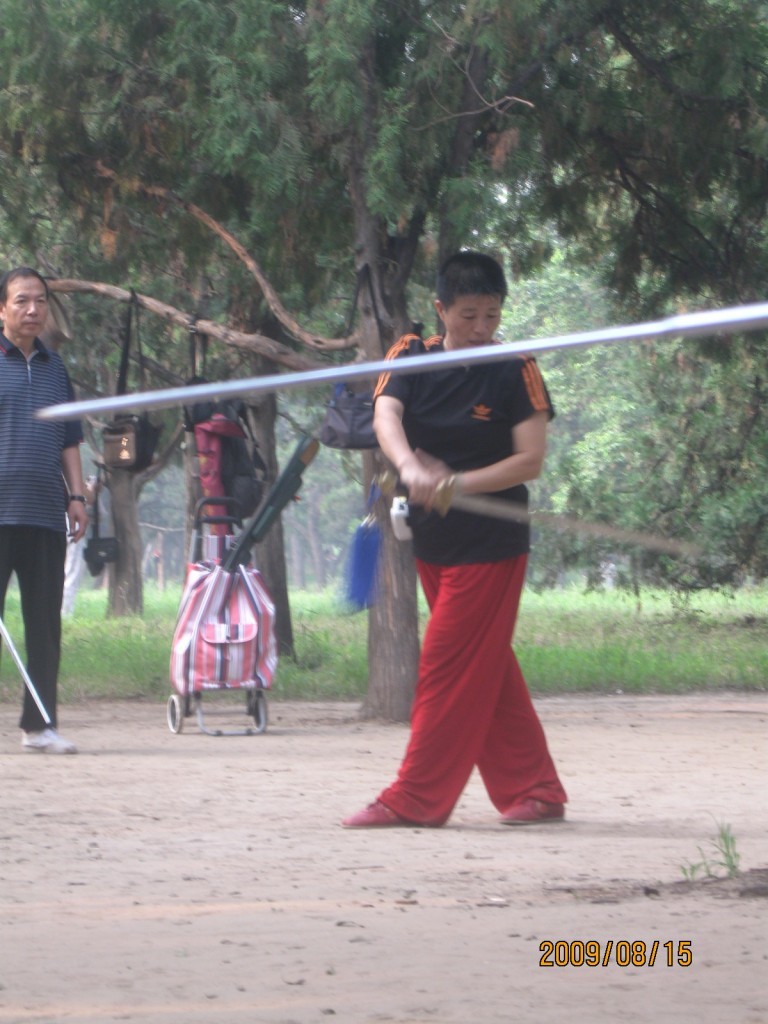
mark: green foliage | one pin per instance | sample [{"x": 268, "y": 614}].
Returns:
[
  {"x": 328, "y": 133},
  {"x": 666, "y": 437},
  {"x": 638, "y": 128},
  {"x": 568, "y": 641},
  {"x": 683, "y": 453}
]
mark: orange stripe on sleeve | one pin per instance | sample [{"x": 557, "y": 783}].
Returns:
[
  {"x": 381, "y": 383},
  {"x": 402, "y": 344},
  {"x": 534, "y": 385}
]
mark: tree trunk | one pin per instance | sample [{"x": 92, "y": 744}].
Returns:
[
  {"x": 393, "y": 640},
  {"x": 393, "y": 634},
  {"x": 126, "y": 595}
]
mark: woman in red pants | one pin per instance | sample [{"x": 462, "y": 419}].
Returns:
[{"x": 484, "y": 425}]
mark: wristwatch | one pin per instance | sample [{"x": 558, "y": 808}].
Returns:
[{"x": 78, "y": 497}]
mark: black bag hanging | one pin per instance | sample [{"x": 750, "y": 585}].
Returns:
[
  {"x": 99, "y": 550},
  {"x": 243, "y": 471},
  {"x": 130, "y": 440},
  {"x": 348, "y": 422}
]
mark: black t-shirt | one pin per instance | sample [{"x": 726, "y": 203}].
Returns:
[{"x": 465, "y": 416}]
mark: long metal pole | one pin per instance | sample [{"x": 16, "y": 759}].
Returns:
[
  {"x": 24, "y": 674},
  {"x": 446, "y": 498},
  {"x": 496, "y": 508},
  {"x": 690, "y": 325}
]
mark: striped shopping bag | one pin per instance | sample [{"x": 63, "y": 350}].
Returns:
[{"x": 225, "y": 631}]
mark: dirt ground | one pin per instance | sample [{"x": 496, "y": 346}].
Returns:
[{"x": 177, "y": 879}]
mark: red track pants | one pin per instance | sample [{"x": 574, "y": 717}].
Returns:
[{"x": 471, "y": 705}]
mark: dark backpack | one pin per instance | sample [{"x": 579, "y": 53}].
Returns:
[
  {"x": 242, "y": 473},
  {"x": 231, "y": 465}
]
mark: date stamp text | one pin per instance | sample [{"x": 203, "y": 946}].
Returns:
[{"x": 619, "y": 952}]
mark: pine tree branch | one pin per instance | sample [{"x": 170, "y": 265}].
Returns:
[
  {"x": 313, "y": 341},
  {"x": 258, "y": 343}
]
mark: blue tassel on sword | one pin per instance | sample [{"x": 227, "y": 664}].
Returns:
[{"x": 362, "y": 573}]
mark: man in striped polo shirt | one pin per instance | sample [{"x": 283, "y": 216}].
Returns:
[{"x": 41, "y": 493}]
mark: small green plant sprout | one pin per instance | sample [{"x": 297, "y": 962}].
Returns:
[{"x": 725, "y": 856}]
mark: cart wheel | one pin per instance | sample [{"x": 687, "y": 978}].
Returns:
[
  {"x": 257, "y": 708},
  {"x": 175, "y": 713}
]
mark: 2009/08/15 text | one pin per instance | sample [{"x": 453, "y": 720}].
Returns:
[{"x": 620, "y": 952}]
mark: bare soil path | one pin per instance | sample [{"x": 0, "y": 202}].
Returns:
[{"x": 177, "y": 879}]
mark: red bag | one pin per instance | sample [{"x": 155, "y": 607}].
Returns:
[
  {"x": 208, "y": 437},
  {"x": 225, "y": 633}
]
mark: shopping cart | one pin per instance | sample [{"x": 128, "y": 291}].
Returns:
[{"x": 225, "y": 631}]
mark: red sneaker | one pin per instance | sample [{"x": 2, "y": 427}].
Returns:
[
  {"x": 375, "y": 815},
  {"x": 531, "y": 812}
]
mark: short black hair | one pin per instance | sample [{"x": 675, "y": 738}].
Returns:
[
  {"x": 470, "y": 273},
  {"x": 12, "y": 275}
]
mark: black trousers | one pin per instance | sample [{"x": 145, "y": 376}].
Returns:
[{"x": 37, "y": 557}]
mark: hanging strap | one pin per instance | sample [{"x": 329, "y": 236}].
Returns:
[{"x": 131, "y": 317}]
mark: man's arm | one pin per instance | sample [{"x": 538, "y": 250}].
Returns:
[{"x": 77, "y": 513}]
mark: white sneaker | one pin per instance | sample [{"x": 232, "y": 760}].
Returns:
[{"x": 47, "y": 742}]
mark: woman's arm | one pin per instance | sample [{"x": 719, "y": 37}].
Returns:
[
  {"x": 419, "y": 473},
  {"x": 529, "y": 441}
]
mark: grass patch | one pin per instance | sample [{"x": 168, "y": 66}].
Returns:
[
  {"x": 571, "y": 641},
  {"x": 568, "y": 641},
  {"x": 331, "y": 652},
  {"x": 722, "y": 855}
]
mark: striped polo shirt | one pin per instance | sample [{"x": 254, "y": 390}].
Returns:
[
  {"x": 465, "y": 416},
  {"x": 32, "y": 489}
]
